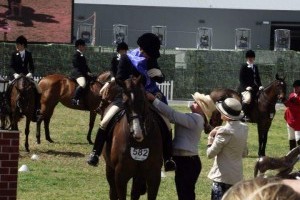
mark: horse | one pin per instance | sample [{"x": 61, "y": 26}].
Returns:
[
  {"x": 22, "y": 101},
  {"x": 263, "y": 108},
  {"x": 283, "y": 164},
  {"x": 60, "y": 88},
  {"x": 134, "y": 148}
]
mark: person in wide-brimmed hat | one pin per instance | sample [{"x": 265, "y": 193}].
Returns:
[
  {"x": 207, "y": 104},
  {"x": 227, "y": 145},
  {"x": 188, "y": 128},
  {"x": 292, "y": 115}
]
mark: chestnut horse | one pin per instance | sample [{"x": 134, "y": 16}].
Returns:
[
  {"x": 22, "y": 101},
  {"x": 135, "y": 151},
  {"x": 263, "y": 108},
  {"x": 60, "y": 88}
]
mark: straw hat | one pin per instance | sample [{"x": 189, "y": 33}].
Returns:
[
  {"x": 206, "y": 103},
  {"x": 231, "y": 108}
]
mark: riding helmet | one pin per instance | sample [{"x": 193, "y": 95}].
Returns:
[
  {"x": 296, "y": 83},
  {"x": 21, "y": 40},
  {"x": 79, "y": 42},
  {"x": 250, "y": 54},
  {"x": 122, "y": 46},
  {"x": 150, "y": 43}
]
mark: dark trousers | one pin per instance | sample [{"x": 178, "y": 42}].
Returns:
[
  {"x": 187, "y": 171},
  {"x": 218, "y": 190}
]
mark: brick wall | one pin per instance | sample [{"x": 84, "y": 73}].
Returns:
[{"x": 9, "y": 155}]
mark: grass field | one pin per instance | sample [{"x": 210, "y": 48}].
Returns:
[{"x": 61, "y": 173}]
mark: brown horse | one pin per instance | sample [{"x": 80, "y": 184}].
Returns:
[
  {"x": 283, "y": 164},
  {"x": 263, "y": 108},
  {"x": 60, "y": 88},
  {"x": 130, "y": 154},
  {"x": 22, "y": 102}
]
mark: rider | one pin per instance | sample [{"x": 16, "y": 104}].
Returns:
[
  {"x": 80, "y": 71},
  {"x": 122, "y": 49},
  {"x": 141, "y": 61},
  {"x": 250, "y": 82},
  {"x": 22, "y": 63}
]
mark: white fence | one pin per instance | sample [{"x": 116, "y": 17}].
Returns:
[{"x": 167, "y": 89}]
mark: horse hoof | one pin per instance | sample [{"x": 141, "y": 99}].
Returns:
[
  {"x": 49, "y": 140},
  {"x": 90, "y": 142}
]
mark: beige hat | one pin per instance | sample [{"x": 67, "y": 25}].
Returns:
[
  {"x": 231, "y": 108},
  {"x": 206, "y": 103}
]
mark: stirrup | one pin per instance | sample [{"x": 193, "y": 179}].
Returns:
[{"x": 170, "y": 165}]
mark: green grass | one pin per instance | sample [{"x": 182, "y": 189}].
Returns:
[{"x": 62, "y": 172}]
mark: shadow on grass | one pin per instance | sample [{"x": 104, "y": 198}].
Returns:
[{"x": 64, "y": 153}]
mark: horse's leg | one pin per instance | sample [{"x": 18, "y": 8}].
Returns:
[
  {"x": 110, "y": 177},
  {"x": 47, "y": 131},
  {"x": 38, "y": 132},
  {"x": 263, "y": 128},
  {"x": 153, "y": 182},
  {"x": 121, "y": 180},
  {"x": 27, "y": 133},
  {"x": 91, "y": 126},
  {"x": 138, "y": 187}
]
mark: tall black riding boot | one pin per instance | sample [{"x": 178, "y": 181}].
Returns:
[
  {"x": 292, "y": 144},
  {"x": 78, "y": 92},
  {"x": 169, "y": 163},
  {"x": 98, "y": 146}
]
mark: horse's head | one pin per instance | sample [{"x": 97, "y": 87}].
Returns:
[
  {"x": 136, "y": 104},
  {"x": 281, "y": 88}
]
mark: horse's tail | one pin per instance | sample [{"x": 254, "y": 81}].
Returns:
[{"x": 256, "y": 168}]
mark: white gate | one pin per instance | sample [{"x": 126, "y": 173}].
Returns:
[{"x": 167, "y": 89}]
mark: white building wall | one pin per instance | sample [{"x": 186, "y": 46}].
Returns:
[{"x": 292, "y": 5}]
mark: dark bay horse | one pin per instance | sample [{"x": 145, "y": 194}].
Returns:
[
  {"x": 134, "y": 149},
  {"x": 22, "y": 102},
  {"x": 60, "y": 88},
  {"x": 263, "y": 108}
]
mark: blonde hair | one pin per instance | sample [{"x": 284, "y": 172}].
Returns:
[{"x": 261, "y": 189}]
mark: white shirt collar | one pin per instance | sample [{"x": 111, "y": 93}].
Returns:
[
  {"x": 250, "y": 65},
  {"x": 22, "y": 53}
]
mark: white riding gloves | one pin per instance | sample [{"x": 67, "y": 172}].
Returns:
[
  {"x": 16, "y": 75},
  {"x": 154, "y": 72},
  {"x": 248, "y": 88},
  {"x": 261, "y": 87},
  {"x": 29, "y": 75}
]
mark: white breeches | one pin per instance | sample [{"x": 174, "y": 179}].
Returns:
[
  {"x": 292, "y": 134},
  {"x": 109, "y": 113},
  {"x": 81, "y": 81}
]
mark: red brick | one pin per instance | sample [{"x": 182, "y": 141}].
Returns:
[
  {"x": 13, "y": 163},
  {"x": 10, "y": 149},
  {"x": 9, "y": 177},
  {"x": 11, "y": 135},
  {"x": 14, "y": 142},
  {"x": 13, "y": 185},
  {"x": 4, "y": 170},
  {"x": 8, "y": 192},
  {"x": 14, "y": 156},
  {"x": 13, "y": 170},
  {"x": 4, "y": 142},
  {"x": 3, "y": 185},
  {"x": 4, "y": 156}
]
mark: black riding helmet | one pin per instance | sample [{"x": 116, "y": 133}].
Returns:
[
  {"x": 79, "y": 42},
  {"x": 250, "y": 54},
  {"x": 21, "y": 40},
  {"x": 122, "y": 46},
  {"x": 296, "y": 83},
  {"x": 150, "y": 43}
]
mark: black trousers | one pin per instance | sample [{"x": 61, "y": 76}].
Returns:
[{"x": 188, "y": 169}]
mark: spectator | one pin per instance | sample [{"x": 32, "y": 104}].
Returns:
[
  {"x": 227, "y": 145},
  {"x": 292, "y": 115}
]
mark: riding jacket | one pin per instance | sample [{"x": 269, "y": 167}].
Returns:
[
  {"x": 21, "y": 65},
  {"x": 80, "y": 67},
  {"x": 249, "y": 76},
  {"x": 292, "y": 113}
]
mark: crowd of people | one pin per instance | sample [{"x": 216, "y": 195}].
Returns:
[{"x": 226, "y": 144}]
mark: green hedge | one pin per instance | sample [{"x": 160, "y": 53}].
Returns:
[{"x": 202, "y": 70}]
